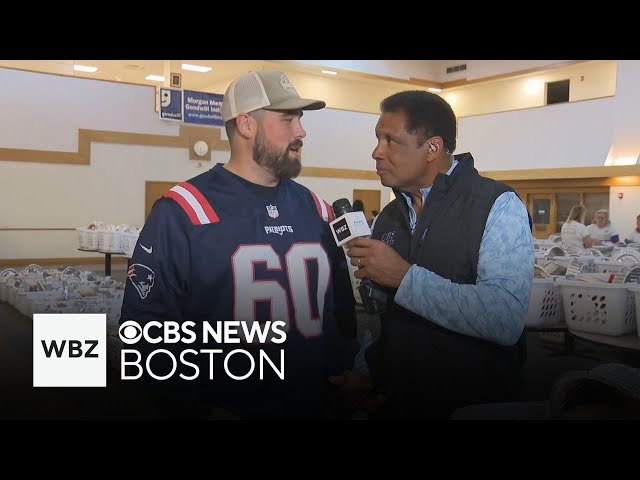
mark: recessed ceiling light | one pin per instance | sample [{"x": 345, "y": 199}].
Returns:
[
  {"x": 329, "y": 72},
  {"x": 196, "y": 68},
  {"x": 133, "y": 66},
  {"x": 155, "y": 78},
  {"x": 85, "y": 68}
]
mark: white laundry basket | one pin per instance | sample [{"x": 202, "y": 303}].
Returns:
[
  {"x": 606, "y": 265},
  {"x": 109, "y": 241},
  {"x": 87, "y": 239},
  {"x": 545, "y": 304},
  {"x": 598, "y": 307},
  {"x": 128, "y": 242},
  {"x": 635, "y": 290}
]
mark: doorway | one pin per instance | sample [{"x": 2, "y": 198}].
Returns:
[
  {"x": 558, "y": 205},
  {"x": 543, "y": 214},
  {"x": 152, "y": 192},
  {"x": 370, "y": 199}
]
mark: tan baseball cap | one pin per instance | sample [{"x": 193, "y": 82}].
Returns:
[{"x": 264, "y": 89}]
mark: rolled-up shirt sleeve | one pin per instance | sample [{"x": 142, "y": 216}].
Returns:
[{"x": 495, "y": 308}]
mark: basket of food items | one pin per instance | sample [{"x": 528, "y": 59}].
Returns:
[{"x": 88, "y": 236}]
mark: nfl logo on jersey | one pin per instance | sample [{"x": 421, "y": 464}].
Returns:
[{"x": 272, "y": 210}]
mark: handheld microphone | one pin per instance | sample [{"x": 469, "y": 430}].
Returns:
[{"x": 347, "y": 226}]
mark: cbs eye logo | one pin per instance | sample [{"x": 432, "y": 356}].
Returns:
[{"x": 130, "y": 332}]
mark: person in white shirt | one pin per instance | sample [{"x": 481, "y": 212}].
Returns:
[
  {"x": 634, "y": 237},
  {"x": 574, "y": 233},
  {"x": 602, "y": 229}
]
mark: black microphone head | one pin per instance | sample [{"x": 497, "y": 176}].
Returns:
[{"x": 341, "y": 206}]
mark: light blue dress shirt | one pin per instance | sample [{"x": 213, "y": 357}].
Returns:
[{"x": 495, "y": 308}]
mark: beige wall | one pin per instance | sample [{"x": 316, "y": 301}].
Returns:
[
  {"x": 623, "y": 211},
  {"x": 340, "y": 93},
  {"x": 45, "y": 112},
  {"x": 598, "y": 80},
  {"x": 364, "y": 95}
]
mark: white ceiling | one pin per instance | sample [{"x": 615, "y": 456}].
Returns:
[{"x": 135, "y": 71}]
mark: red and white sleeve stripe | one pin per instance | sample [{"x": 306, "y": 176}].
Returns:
[
  {"x": 324, "y": 209},
  {"x": 194, "y": 204}
]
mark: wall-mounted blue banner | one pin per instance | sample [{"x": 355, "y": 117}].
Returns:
[
  {"x": 203, "y": 108},
  {"x": 171, "y": 104}
]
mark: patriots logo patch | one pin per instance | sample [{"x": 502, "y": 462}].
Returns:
[{"x": 142, "y": 278}]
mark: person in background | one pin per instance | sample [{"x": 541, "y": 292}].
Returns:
[
  {"x": 374, "y": 215},
  {"x": 602, "y": 230},
  {"x": 574, "y": 233},
  {"x": 454, "y": 255},
  {"x": 358, "y": 206},
  {"x": 634, "y": 237},
  {"x": 244, "y": 242}
]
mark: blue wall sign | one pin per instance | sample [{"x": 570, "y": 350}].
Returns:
[
  {"x": 203, "y": 108},
  {"x": 171, "y": 104}
]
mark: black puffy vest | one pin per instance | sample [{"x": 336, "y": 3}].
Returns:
[{"x": 426, "y": 370}]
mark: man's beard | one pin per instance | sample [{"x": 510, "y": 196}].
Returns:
[{"x": 280, "y": 164}]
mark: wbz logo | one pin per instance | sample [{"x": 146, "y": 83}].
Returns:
[
  {"x": 69, "y": 350},
  {"x": 74, "y": 350}
]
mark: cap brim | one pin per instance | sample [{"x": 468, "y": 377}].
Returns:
[{"x": 297, "y": 104}]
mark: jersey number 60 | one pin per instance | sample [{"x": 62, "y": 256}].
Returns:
[{"x": 248, "y": 290}]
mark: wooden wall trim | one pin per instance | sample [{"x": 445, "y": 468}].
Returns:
[
  {"x": 541, "y": 187},
  {"x": 188, "y": 136},
  {"x": 339, "y": 173},
  {"x": 17, "y": 262},
  {"x": 566, "y": 173},
  {"x": 27, "y": 229},
  {"x": 128, "y": 138},
  {"x": 590, "y": 176},
  {"x": 580, "y": 184},
  {"x": 39, "y": 156}
]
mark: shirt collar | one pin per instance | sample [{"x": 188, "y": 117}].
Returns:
[{"x": 425, "y": 191}]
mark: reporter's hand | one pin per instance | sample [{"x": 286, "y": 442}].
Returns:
[{"x": 377, "y": 261}]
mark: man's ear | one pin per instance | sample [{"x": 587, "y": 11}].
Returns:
[
  {"x": 246, "y": 125},
  {"x": 434, "y": 147}
]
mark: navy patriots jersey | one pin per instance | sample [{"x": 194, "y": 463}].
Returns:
[{"x": 214, "y": 249}]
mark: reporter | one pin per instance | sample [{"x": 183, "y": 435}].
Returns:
[{"x": 454, "y": 252}]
